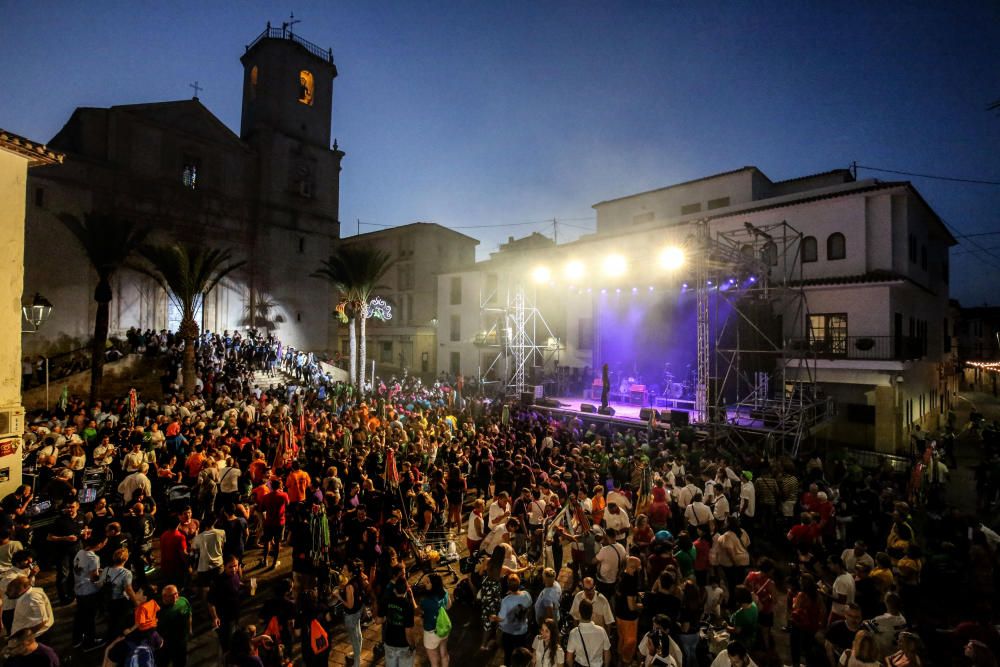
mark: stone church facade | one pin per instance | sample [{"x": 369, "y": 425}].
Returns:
[{"x": 271, "y": 193}]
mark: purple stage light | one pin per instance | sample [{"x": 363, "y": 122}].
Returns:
[
  {"x": 650, "y": 288},
  {"x": 618, "y": 290},
  {"x": 634, "y": 290},
  {"x": 709, "y": 283}
]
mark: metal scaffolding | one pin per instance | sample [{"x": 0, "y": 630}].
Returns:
[{"x": 512, "y": 331}]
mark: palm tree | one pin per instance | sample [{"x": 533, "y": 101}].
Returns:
[
  {"x": 335, "y": 272},
  {"x": 355, "y": 270},
  {"x": 109, "y": 242},
  {"x": 188, "y": 272}
]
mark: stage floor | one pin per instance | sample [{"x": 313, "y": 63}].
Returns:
[{"x": 622, "y": 410}]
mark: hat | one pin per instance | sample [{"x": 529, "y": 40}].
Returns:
[
  {"x": 748, "y": 475},
  {"x": 664, "y": 536}
]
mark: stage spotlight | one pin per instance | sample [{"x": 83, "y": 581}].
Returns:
[
  {"x": 709, "y": 283},
  {"x": 650, "y": 288},
  {"x": 618, "y": 290},
  {"x": 604, "y": 291},
  {"x": 574, "y": 269},
  {"x": 541, "y": 275},
  {"x": 634, "y": 290},
  {"x": 753, "y": 279},
  {"x": 614, "y": 265},
  {"x": 671, "y": 258},
  {"x": 685, "y": 285}
]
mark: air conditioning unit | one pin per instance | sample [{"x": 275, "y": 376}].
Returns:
[{"x": 12, "y": 421}]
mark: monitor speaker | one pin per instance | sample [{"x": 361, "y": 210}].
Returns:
[
  {"x": 646, "y": 413},
  {"x": 588, "y": 408},
  {"x": 678, "y": 418},
  {"x": 527, "y": 398},
  {"x": 609, "y": 411}
]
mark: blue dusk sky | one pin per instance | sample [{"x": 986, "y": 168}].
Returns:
[{"x": 501, "y": 115}]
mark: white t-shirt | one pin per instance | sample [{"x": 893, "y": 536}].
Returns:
[
  {"x": 749, "y": 494},
  {"x": 610, "y": 559},
  {"x": 31, "y": 609},
  {"x": 542, "y": 655},
  {"x": 536, "y": 512},
  {"x": 722, "y": 660},
  {"x": 851, "y": 561},
  {"x": 720, "y": 507},
  {"x": 617, "y": 522},
  {"x": 494, "y": 515},
  {"x": 842, "y": 585},
  {"x": 602, "y": 610},
  {"x": 588, "y": 642},
  {"x": 230, "y": 480},
  {"x": 650, "y": 659},
  {"x": 209, "y": 546},
  {"x": 887, "y": 627}
]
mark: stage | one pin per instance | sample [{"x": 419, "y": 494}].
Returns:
[{"x": 625, "y": 413}]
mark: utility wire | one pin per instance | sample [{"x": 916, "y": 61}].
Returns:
[{"x": 938, "y": 178}]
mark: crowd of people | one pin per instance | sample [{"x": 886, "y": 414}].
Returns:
[{"x": 580, "y": 543}]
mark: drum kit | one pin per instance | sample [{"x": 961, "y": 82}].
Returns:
[{"x": 676, "y": 387}]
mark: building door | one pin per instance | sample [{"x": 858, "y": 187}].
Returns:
[{"x": 406, "y": 354}]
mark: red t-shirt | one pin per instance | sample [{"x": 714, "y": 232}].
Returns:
[
  {"x": 274, "y": 505},
  {"x": 802, "y": 534},
  {"x": 702, "y": 548},
  {"x": 758, "y": 583},
  {"x": 659, "y": 513},
  {"x": 259, "y": 493},
  {"x": 173, "y": 551},
  {"x": 258, "y": 471}
]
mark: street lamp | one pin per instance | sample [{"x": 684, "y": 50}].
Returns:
[{"x": 36, "y": 313}]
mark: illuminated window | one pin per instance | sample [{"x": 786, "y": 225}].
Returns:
[
  {"x": 306, "y": 87},
  {"x": 189, "y": 175},
  {"x": 253, "y": 82}
]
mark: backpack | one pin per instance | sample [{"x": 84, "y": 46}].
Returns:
[
  {"x": 319, "y": 641},
  {"x": 141, "y": 656},
  {"x": 442, "y": 627}
]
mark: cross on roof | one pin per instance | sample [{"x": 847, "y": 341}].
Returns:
[{"x": 197, "y": 89}]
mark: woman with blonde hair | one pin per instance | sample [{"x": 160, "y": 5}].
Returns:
[{"x": 863, "y": 653}]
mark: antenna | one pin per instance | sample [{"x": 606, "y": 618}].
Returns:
[{"x": 197, "y": 89}]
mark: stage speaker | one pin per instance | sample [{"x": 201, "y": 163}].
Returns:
[
  {"x": 679, "y": 418},
  {"x": 527, "y": 398},
  {"x": 547, "y": 402},
  {"x": 646, "y": 413},
  {"x": 588, "y": 408},
  {"x": 609, "y": 411}
]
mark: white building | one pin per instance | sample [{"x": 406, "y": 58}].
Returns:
[{"x": 871, "y": 261}]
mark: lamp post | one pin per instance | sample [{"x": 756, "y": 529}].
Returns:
[{"x": 35, "y": 314}]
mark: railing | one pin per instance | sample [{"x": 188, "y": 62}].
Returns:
[
  {"x": 285, "y": 32},
  {"x": 873, "y": 348}
]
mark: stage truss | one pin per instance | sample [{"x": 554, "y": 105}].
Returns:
[
  {"x": 754, "y": 384},
  {"x": 517, "y": 336}
]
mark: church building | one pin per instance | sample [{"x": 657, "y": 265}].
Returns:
[{"x": 270, "y": 193}]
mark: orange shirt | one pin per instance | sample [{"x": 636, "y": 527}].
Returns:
[
  {"x": 193, "y": 464},
  {"x": 598, "y": 503},
  {"x": 145, "y": 615},
  {"x": 296, "y": 485}
]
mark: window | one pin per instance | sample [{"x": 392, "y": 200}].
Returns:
[
  {"x": 769, "y": 254},
  {"x": 828, "y": 333},
  {"x": 189, "y": 174},
  {"x": 585, "y": 333},
  {"x": 836, "y": 246},
  {"x": 642, "y": 217},
  {"x": 39, "y": 197},
  {"x": 253, "y": 82},
  {"x": 923, "y": 257},
  {"x": 945, "y": 272},
  {"x": 913, "y": 248},
  {"x": 810, "y": 249},
  {"x": 455, "y": 297},
  {"x": 456, "y": 328},
  {"x": 306, "y": 88},
  {"x": 385, "y": 352},
  {"x": 688, "y": 209},
  {"x": 455, "y": 365},
  {"x": 721, "y": 202},
  {"x": 302, "y": 245}
]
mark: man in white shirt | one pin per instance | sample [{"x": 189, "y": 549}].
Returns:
[
  {"x": 610, "y": 560},
  {"x": 857, "y": 554},
  {"x": 601, "y": 608},
  {"x": 209, "y": 544},
  {"x": 697, "y": 514},
  {"x": 886, "y": 627},
  {"x": 616, "y": 519},
  {"x": 685, "y": 493},
  {"x": 748, "y": 496},
  {"x": 229, "y": 482},
  {"x": 137, "y": 480},
  {"x": 32, "y": 608},
  {"x": 841, "y": 594},
  {"x": 658, "y": 648},
  {"x": 720, "y": 507},
  {"x": 734, "y": 655},
  {"x": 588, "y": 644},
  {"x": 499, "y": 511}
]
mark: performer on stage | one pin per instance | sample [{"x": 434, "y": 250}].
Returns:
[{"x": 605, "y": 386}]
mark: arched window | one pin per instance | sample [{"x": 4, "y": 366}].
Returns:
[
  {"x": 253, "y": 82},
  {"x": 306, "y": 87},
  {"x": 769, "y": 254},
  {"x": 810, "y": 250},
  {"x": 836, "y": 246}
]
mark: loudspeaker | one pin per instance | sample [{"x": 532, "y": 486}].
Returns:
[
  {"x": 547, "y": 402},
  {"x": 646, "y": 413},
  {"x": 588, "y": 408},
  {"x": 609, "y": 411},
  {"x": 678, "y": 418},
  {"x": 527, "y": 398}
]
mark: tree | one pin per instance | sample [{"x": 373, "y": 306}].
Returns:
[
  {"x": 356, "y": 270},
  {"x": 188, "y": 272},
  {"x": 335, "y": 272},
  {"x": 109, "y": 242}
]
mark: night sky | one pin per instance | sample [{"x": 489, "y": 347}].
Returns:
[{"x": 495, "y": 113}]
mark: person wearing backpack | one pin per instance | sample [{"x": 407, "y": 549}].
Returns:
[
  {"x": 434, "y": 603},
  {"x": 513, "y": 617}
]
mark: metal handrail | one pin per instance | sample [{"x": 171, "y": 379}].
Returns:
[{"x": 285, "y": 33}]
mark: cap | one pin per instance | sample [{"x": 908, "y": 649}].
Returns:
[
  {"x": 664, "y": 536},
  {"x": 748, "y": 475}
]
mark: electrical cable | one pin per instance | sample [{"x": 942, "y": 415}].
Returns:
[{"x": 932, "y": 176}]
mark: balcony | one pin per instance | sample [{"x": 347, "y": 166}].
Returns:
[{"x": 869, "y": 348}]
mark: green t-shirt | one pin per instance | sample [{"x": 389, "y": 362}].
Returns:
[
  {"x": 745, "y": 622},
  {"x": 173, "y": 622},
  {"x": 685, "y": 559}
]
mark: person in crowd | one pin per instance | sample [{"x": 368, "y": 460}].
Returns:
[{"x": 588, "y": 644}]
